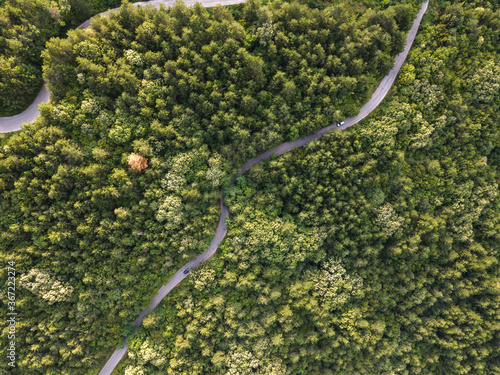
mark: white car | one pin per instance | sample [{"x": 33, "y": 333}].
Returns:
[{"x": 340, "y": 123}]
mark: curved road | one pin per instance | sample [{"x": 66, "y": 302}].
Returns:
[{"x": 14, "y": 123}]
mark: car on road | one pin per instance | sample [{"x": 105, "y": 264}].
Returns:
[
  {"x": 340, "y": 123},
  {"x": 186, "y": 271}
]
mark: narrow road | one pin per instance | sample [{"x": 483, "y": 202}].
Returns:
[{"x": 14, "y": 123}]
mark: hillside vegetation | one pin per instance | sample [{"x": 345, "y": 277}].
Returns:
[
  {"x": 194, "y": 91},
  {"x": 25, "y": 27},
  {"x": 370, "y": 251}
]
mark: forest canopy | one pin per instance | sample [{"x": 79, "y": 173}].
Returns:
[
  {"x": 185, "y": 77},
  {"x": 194, "y": 91},
  {"x": 373, "y": 250},
  {"x": 25, "y": 27}
]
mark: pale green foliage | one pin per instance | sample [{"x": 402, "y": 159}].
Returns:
[
  {"x": 274, "y": 367},
  {"x": 134, "y": 370},
  {"x": 388, "y": 219},
  {"x": 201, "y": 277},
  {"x": 90, "y": 106},
  {"x": 99, "y": 154},
  {"x": 173, "y": 181},
  {"x": 170, "y": 211},
  {"x": 486, "y": 82},
  {"x": 186, "y": 306},
  {"x": 122, "y": 213},
  {"x": 265, "y": 33},
  {"x": 334, "y": 285},
  {"x": 147, "y": 29},
  {"x": 151, "y": 320},
  {"x": 426, "y": 93},
  {"x": 80, "y": 78},
  {"x": 179, "y": 165},
  {"x": 422, "y": 138},
  {"x": 132, "y": 57},
  {"x": 469, "y": 204},
  {"x": 215, "y": 172},
  {"x": 190, "y": 244},
  {"x": 241, "y": 362},
  {"x": 45, "y": 286},
  {"x": 150, "y": 353}
]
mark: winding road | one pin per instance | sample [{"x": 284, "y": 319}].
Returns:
[{"x": 9, "y": 124}]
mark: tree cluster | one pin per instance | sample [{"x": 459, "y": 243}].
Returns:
[
  {"x": 196, "y": 92},
  {"x": 369, "y": 251},
  {"x": 25, "y": 27},
  {"x": 184, "y": 77}
]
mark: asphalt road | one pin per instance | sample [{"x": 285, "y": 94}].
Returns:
[
  {"x": 13, "y": 123},
  {"x": 8, "y": 124}
]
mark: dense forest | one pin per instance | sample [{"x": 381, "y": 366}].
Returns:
[
  {"x": 118, "y": 182},
  {"x": 25, "y": 27},
  {"x": 239, "y": 87},
  {"x": 370, "y": 251}
]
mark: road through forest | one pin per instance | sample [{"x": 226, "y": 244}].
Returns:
[{"x": 8, "y": 124}]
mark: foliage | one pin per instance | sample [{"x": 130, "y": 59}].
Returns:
[
  {"x": 25, "y": 27},
  {"x": 370, "y": 251},
  {"x": 239, "y": 89},
  {"x": 84, "y": 214},
  {"x": 46, "y": 287},
  {"x": 195, "y": 92}
]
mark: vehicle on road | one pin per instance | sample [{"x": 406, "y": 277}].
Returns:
[
  {"x": 186, "y": 271},
  {"x": 340, "y": 123}
]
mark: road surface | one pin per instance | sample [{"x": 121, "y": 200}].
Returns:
[{"x": 8, "y": 124}]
